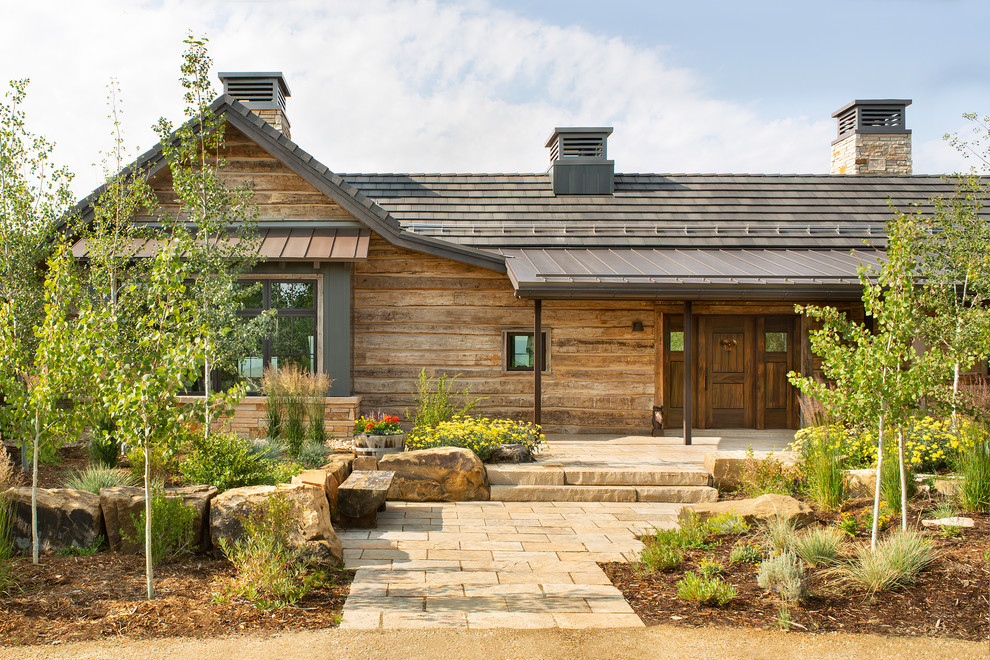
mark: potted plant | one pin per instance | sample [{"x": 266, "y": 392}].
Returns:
[{"x": 376, "y": 433}]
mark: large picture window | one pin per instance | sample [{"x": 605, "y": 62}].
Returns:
[
  {"x": 293, "y": 337},
  {"x": 520, "y": 351}
]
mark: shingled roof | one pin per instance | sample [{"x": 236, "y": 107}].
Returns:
[{"x": 651, "y": 210}]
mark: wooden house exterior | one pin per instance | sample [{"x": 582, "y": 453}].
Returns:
[{"x": 638, "y": 291}]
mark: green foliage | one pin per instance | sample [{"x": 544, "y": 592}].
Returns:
[
  {"x": 313, "y": 454},
  {"x": 82, "y": 550},
  {"x": 104, "y": 444},
  {"x": 172, "y": 532},
  {"x": 293, "y": 394},
  {"x": 973, "y": 463},
  {"x": 848, "y": 523},
  {"x": 819, "y": 546},
  {"x": 706, "y": 591},
  {"x": 708, "y": 568},
  {"x": 163, "y": 464},
  {"x": 691, "y": 533},
  {"x": 890, "y": 483},
  {"x": 745, "y": 552},
  {"x": 780, "y": 534},
  {"x": 660, "y": 557},
  {"x": 481, "y": 435},
  {"x": 783, "y": 573},
  {"x": 727, "y": 524},
  {"x": 96, "y": 477},
  {"x": 269, "y": 572},
  {"x": 226, "y": 461},
  {"x": 822, "y": 467},
  {"x": 767, "y": 475},
  {"x": 7, "y": 548},
  {"x": 438, "y": 402},
  {"x": 896, "y": 561}
]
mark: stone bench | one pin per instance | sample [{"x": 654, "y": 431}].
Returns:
[{"x": 362, "y": 496}]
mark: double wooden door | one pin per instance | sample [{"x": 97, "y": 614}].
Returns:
[{"x": 740, "y": 371}]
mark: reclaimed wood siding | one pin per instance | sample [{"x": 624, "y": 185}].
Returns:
[{"x": 413, "y": 311}]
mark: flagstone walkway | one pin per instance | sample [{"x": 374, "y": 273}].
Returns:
[{"x": 495, "y": 564}]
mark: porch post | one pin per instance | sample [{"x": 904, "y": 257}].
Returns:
[
  {"x": 688, "y": 371},
  {"x": 537, "y": 359}
]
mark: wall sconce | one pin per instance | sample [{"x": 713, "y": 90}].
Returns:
[{"x": 637, "y": 326}]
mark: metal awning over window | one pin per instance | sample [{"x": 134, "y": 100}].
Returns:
[
  {"x": 285, "y": 244},
  {"x": 698, "y": 274}
]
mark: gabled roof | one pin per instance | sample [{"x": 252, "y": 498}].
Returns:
[
  {"x": 652, "y": 210},
  {"x": 319, "y": 175}
]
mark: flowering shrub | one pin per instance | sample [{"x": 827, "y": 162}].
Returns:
[
  {"x": 377, "y": 423},
  {"x": 928, "y": 442},
  {"x": 481, "y": 435}
]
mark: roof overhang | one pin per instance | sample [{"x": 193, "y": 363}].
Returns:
[{"x": 695, "y": 274}]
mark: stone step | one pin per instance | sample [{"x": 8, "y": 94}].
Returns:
[
  {"x": 557, "y": 475},
  {"x": 576, "y": 493}
]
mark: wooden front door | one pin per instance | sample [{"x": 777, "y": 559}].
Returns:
[{"x": 729, "y": 371}]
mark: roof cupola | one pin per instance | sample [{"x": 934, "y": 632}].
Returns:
[
  {"x": 262, "y": 92},
  {"x": 579, "y": 162}
]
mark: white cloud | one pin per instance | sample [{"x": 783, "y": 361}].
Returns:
[{"x": 397, "y": 86}]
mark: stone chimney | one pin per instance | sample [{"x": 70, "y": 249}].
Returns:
[
  {"x": 263, "y": 93},
  {"x": 872, "y": 138},
  {"x": 579, "y": 162}
]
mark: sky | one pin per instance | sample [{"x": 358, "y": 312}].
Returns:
[{"x": 479, "y": 85}]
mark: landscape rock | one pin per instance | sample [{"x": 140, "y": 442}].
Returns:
[
  {"x": 727, "y": 467},
  {"x": 948, "y": 487},
  {"x": 339, "y": 465},
  {"x": 861, "y": 483},
  {"x": 123, "y": 505},
  {"x": 956, "y": 521},
  {"x": 313, "y": 533},
  {"x": 511, "y": 454},
  {"x": 764, "y": 507},
  {"x": 440, "y": 474},
  {"x": 323, "y": 479},
  {"x": 66, "y": 517},
  {"x": 364, "y": 464}
]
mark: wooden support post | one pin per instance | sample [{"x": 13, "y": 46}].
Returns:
[
  {"x": 688, "y": 371},
  {"x": 537, "y": 360}
]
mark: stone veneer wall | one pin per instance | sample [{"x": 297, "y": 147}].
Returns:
[
  {"x": 249, "y": 415},
  {"x": 882, "y": 154},
  {"x": 277, "y": 119}
]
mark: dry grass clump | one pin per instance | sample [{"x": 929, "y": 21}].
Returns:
[{"x": 896, "y": 561}]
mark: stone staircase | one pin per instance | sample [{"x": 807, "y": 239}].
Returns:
[{"x": 547, "y": 482}]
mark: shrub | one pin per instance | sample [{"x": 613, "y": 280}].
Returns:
[
  {"x": 780, "y": 534},
  {"x": 973, "y": 463},
  {"x": 896, "y": 561},
  {"x": 824, "y": 480},
  {"x": 7, "y": 549},
  {"x": 707, "y": 591},
  {"x": 172, "y": 532},
  {"x": 783, "y": 573},
  {"x": 313, "y": 454},
  {"x": 745, "y": 553},
  {"x": 435, "y": 402},
  {"x": 82, "y": 551},
  {"x": 691, "y": 533},
  {"x": 890, "y": 482},
  {"x": 265, "y": 448},
  {"x": 481, "y": 435},
  {"x": 708, "y": 568},
  {"x": 848, "y": 523},
  {"x": 660, "y": 557},
  {"x": 104, "y": 445},
  {"x": 96, "y": 477},
  {"x": 163, "y": 463},
  {"x": 819, "y": 546},
  {"x": 727, "y": 524},
  {"x": 225, "y": 461},
  {"x": 269, "y": 572},
  {"x": 767, "y": 475}
]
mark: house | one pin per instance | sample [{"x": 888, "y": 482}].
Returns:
[{"x": 628, "y": 290}]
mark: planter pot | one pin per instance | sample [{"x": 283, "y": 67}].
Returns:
[{"x": 379, "y": 445}]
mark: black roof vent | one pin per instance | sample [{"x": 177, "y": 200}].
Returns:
[
  {"x": 257, "y": 90},
  {"x": 876, "y": 116},
  {"x": 579, "y": 162}
]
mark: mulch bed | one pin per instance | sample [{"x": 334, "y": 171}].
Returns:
[
  {"x": 68, "y": 599},
  {"x": 948, "y": 599}
]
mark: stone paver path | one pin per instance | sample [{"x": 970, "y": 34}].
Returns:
[{"x": 495, "y": 564}]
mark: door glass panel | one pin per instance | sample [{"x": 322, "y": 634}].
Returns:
[
  {"x": 775, "y": 342},
  {"x": 677, "y": 341}
]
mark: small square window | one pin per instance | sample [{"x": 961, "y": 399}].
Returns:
[
  {"x": 677, "y": 341},
  {"x": 775, "y": 342},
  {"x": 520, "y": 351}
]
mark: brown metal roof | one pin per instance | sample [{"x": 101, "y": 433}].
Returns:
[
  {"x": 283, "y": 244},
  {"x": 697, "y": 273}
]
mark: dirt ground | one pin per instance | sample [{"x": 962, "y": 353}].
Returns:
[{"x": 662, "y": 641}]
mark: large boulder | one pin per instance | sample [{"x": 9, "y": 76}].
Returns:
[
  {"x": 861, "y": 483},
  {"x": 441, "y": 474},
  {"x": 755, "y": 510},
  {"x": 66, "y": 517},
  {"x": 122, "y": 507},
  {"x": 313, "y": 532},
  {"x": 728, "y": 467},
  {"x": 339, "y": 465},
  {"x": 518, "y": 453},
  {"x": 323, "y": 479}
]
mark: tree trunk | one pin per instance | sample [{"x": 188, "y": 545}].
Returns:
[
  {"x": 900, "y": 457},
  {"x": 35, "y": 553},
  {"x": 206, "y": 389},
  {"x": 149, "y": 560},
  {"x": 876, "y": 495}
]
